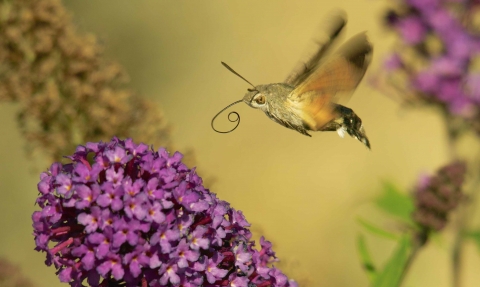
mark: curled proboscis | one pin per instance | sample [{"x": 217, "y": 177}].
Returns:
[{"x": 235, "y": 119}]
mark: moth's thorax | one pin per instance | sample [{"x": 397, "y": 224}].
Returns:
[
  {"x": 274, "y": 93},
  {"x": 273, "y": 100}
]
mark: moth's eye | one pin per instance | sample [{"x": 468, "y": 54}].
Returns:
[{"x": 259, "y": 99}]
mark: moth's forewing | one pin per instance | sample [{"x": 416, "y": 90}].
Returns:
[
  {"x": 337, "y": 77},
  {"x": 330, "y": 32},
  {"x": 340, "y": 73}
]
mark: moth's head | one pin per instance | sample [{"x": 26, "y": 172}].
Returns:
[{"x": 257, "y": 98}]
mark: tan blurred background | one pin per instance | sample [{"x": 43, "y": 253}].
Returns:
[{"x": 304, "y": 194}]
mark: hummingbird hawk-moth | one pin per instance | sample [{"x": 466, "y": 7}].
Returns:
[{"x": 308, "y": 99}]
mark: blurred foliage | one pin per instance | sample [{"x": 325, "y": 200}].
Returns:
[
  {"x": 395, "y": 203},
  {"x": 434, "y": 63},
  {"x": 399, "y": 206},
  {"x": 475, "y": 236},
  {"x": 11, "y": 275},
  {"x": 375, "y": 230},
  {"x": 426, "y": 211},
  {"x": 365, "y": 258},
  {"x": 392, "y": 273},
  {"x": 67, "y": 92}
]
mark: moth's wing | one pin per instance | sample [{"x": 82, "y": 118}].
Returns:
[
  {"x": 302, "y": 70},
  {"x": 341, "y": 73},
  {"x": 336, "y": 77}
]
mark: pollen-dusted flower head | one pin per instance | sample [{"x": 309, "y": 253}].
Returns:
[
  {"x": 56, "y": 72},
  {"x": 122, "y": 214},
  {"x": 436, "y": 196}
]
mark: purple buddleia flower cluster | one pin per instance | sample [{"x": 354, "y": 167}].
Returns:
[
  {"x": 122, "y": 214},
  {"x": 435, "y": 60},
  {"x": 436, "y": 196}
]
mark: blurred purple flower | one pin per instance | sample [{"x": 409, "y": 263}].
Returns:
[
  {"x": 446, "y": 67},
  {"x": 393, "y": 62},
  {"x": 131, "y": 216},
  {"x": 472, "y": 83},
  {"x": 423, "y": 5},
  {"x": 434, "y": 56},
  {"x": 411, "y": 29},
  {"x": 426, "y": 82},
  {"x": 436, "y": 196}
]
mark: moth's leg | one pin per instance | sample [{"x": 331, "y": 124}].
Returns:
[
  {"x": 347, "y": 121},
  {"x": 335, "y": 125},
  {"x": 337, "y": 122},
  {"x": 303, "y": 131},
  {"x": 331, "y": 126}
]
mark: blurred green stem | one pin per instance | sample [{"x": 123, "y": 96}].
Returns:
[
  {"x": 452, "y": 136},
  {"x": 464, "y": 215},
  {"x": 457, "y": 250},
  {"x": 464, "y": 210},
  {"x": 418, "y": 241}
]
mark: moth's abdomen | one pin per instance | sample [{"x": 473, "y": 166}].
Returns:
[{"x": 347, "y": 121}]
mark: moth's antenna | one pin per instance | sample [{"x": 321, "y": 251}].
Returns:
[
  {"x": 237, "y": 119},
  {"x": 233, "y": 71}
]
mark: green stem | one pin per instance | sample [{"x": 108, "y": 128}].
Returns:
[
  {"x": 457, "y": 251},
  {"x": 452, "y": 136},
  {"x": 465, "y": 211},
  {"x": 420, "y": 238},
  {"x": 463, "y": 217},
  {"x": 457, "y": 248}
]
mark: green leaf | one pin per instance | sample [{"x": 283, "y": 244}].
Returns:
[
  {"x": 475, "y": 236},
  {"x": 365, "y": 258},
  {"x": 395, "y": 203},
  {"x": 392, "y": 272},
  {"x": 377, "y": 230}
]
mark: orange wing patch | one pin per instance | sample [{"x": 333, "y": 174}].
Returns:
[
  {"x": 321, "y": 113},
  {"x": 315, "y": 111}
]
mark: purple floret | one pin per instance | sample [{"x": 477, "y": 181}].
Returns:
[
  {"x": 123, "y": 215},
  {"x": 434, "y": 60}
]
